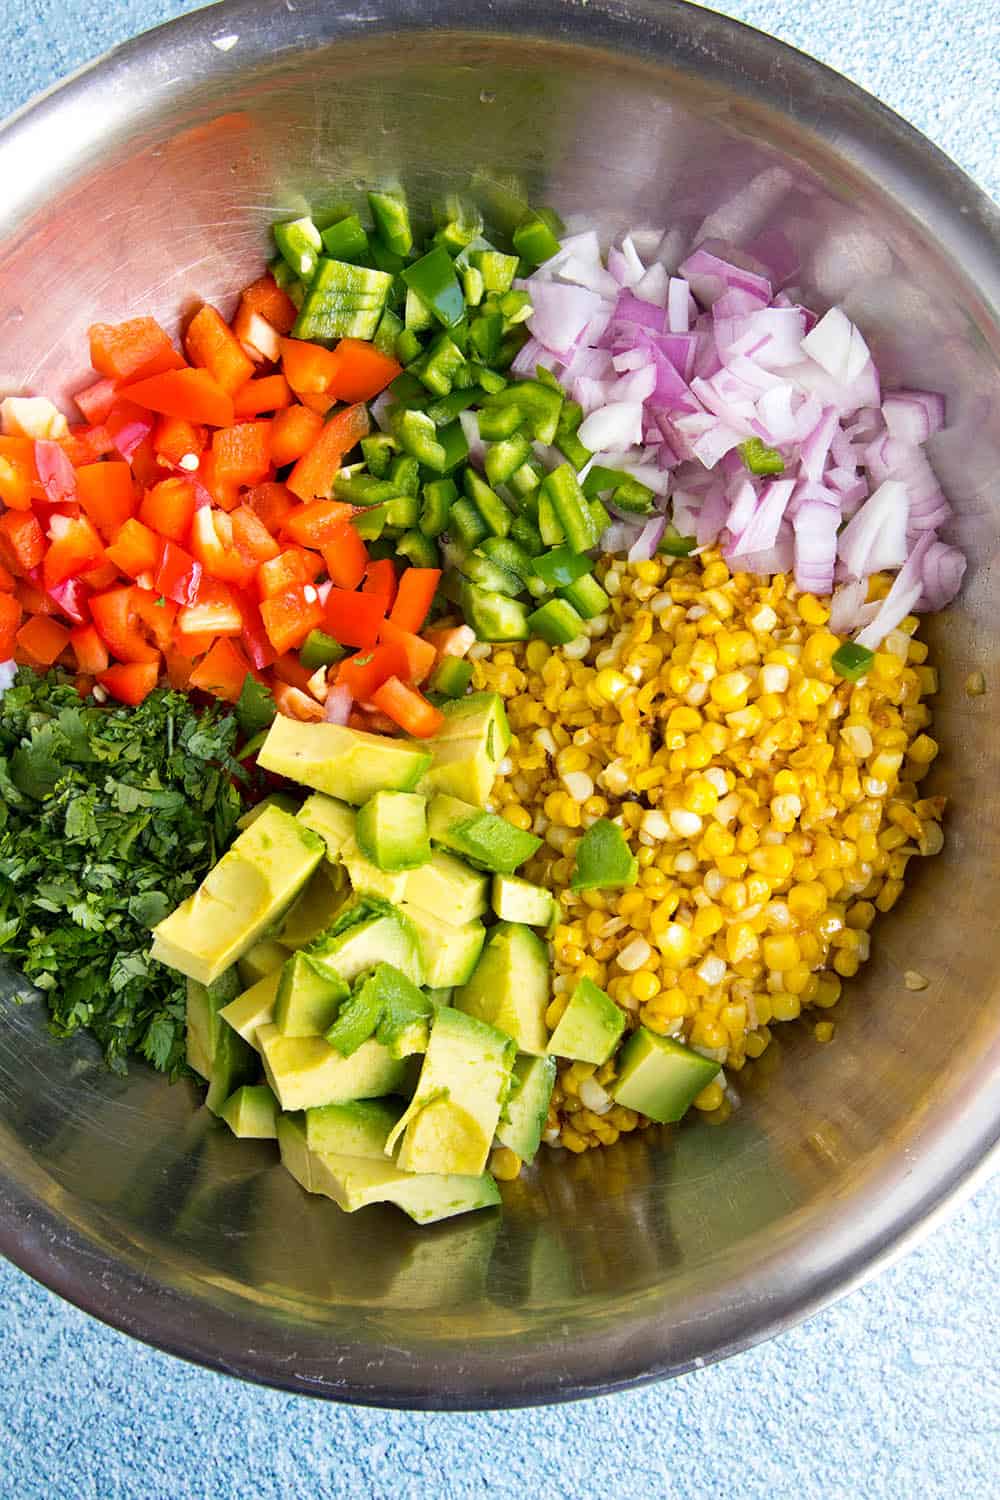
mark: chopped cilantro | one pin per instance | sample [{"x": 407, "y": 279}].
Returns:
[
  {"x": 109, "y": 818},
  {"x": 255, "y": 709}
]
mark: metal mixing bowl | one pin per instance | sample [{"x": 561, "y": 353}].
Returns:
[{"x": 148, "y": 181}]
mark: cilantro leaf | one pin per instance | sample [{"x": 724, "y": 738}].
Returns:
[{"x": 256, "y": 709}]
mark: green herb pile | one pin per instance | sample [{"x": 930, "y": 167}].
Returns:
[{"x": 109, "y": 817}]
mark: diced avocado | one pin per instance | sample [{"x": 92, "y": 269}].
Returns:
[
  {"x": 449, "y": 953},
  {"x": 360, "y": 1128},
  {"x": 309, "y": 997},
  {"x": 252, "y": 1113},
  {"x": 316, "y": 907},
  {"x": 234, "y": 1064},
  {"x": 510, "y": 986},
  {"x": 284, "y": 800},
  {"x": 264, "y": 957},
  {"x": 204, "y": 1005},
  {"x": 527, "y": 1105},
  {"x": 332, "y": 820},
  {"x": 389, "y": 1006},
  {"x": 516, "y": 900},
  {"x": 295, "y": 1154},
  {"x": 347, "y": 763},
  {"x": 305, "y": 1071},
  {"x": 604, "y": 860},
  {"x": 353, "y": 1183},
  {"x": 367, "y": 877},
  {"x": 482, "y": 838},
  {"x": 439, "y": 997},
  {"x": 255, "y": 1007},
  {"x": 590, "y": 1027},
  {"x": 452, "y": 1118},
  {"x": 660, "y": 1077},
  {"x": 196, "y": 1057},
  {"x": 384, "y": 937},
  {"x": 356, "y": 1021},
  {"x": 392, "y": 830},
  {"x": 240, "y": 898},
  {"x": 467, "y": 748},
  {"x": 447, "y": 888}
]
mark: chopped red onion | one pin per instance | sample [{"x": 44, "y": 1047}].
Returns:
[
  {"x": 815, "y": 527},
  {"x": 645, "y": 545},
  {"x": 902, "y": 599},
  {"x": 875, "y": 538},
  {"x": 339, "y": 702},
  {"x": 57, "y": 475},
  {"x": 761, "y": 530},
  {"x": 913, "y": 416},
  {"x": 560, "y": 313},
  {"x": 616, "y": 425}
]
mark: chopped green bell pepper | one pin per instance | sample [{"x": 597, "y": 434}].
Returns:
[
  {"x": 451, "y": 676},
  {"x": 570, "y": 506},
  {"x": 432, "y": 278},
  {"x": 494, "y": 617},
  {"x": 503, "y": 459},
  {"x": 760, "y": 459},
  {"x": 300, "y": 245},
  {"x": 535, "y": 238},
  {"x": 557, "y": 622},
  {"x": 852, "y": 661},
  {"x": 418, "y": 549},
  {"x": 417, "y": 436},
  {"x": 586, "y": 596},
  {"x": 392, "y": 221},
  {"x": 466, "y": 525},
  {"x": 561, "y": 567},
  {"x": 347, "y": 240},
  {"x": 487, "y": 502},
  {"x": 438, "y": 498},
  {"x": 320, "y": 650}
]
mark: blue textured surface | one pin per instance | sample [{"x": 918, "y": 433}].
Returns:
[{"x": 893, "y": 1393}]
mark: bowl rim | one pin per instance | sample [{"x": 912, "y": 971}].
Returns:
[{"x": 961, "y": 1149}]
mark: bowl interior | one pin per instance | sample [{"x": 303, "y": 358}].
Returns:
[{"x": 147, "y": 186}]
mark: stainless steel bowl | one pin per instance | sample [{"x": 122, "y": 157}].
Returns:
[{"x": 149, "y": 181}]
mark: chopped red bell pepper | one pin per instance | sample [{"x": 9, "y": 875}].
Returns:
[
  {"x": 107, "y": 494},
  {"x": 90, "y": 651},
  {"x": 251, "y": 537},
  {"x": 128, "y": 426},
  {"x": 132, "y": 350},
  {"x": 18, "y": 475},
  {"x": 192, "y": 394},
  {"x": 315, "y": 524},
  {"x": 10, "y": 621},
  {"x": 76, "y": 547},
  {"x": 271, "y": 503},
  {"x": 266, "y": 393},
  {"x": 313, "y": 475},
  {"x": 420, "y": 655},
  {"x": 135, "y": 550},
  {"x": 408, "y": 708},
  {"x": 72, "y": 599},
  {"x": 360, "y": 371},
  {"x": 293, "y": 433},
  {"x": 211, "y": 343},
  {"x": 175, "y": 439},
  {"x": 272, "y": 302},
  {"x": 178, "y": 574},
  {"x": 43, "y": 639},
  {"x": 289, "y": 617},
  {"x": 131, "y": 682},
  {"x": 353, "y": 619},
  {"x": 365, "y": 673},
  {"x": 417, "y": 588},
  {"x": 117, "y": 620},
  {"x": 380, "y": 581},
  {"x": 308, "y": 368},
  {"x": 346, "y": 557},
  {"x": 212, "y": 544},
  {"x": 253, "y": 636},
  {"x": 216, "y": 611},
  {"x": 242, "y": 454},
  {"x": 222, "y": 672},
  {"x": 279, "y": 574},
  {"x": 96, "y": 401},
  {"x": 22, "y": 541},
  {"x": 169, "y": 507}
]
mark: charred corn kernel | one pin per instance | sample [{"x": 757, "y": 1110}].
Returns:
[
  {"x": 710, "y": 1097},
  {"x": 505, "y": 1164}
]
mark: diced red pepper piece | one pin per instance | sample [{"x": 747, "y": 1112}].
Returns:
[
  {"x": 380, "y": 580},
  {"x": 43, "y": 639},
  {"x": 175, "y": 439},
  {"x": 353, "y": 619},
  {"x": 295, "y": 704},
  {"x": 116, "y": 617},
  {"x": 408, "y": 708},
  {"x": 251, "y": 537},
  {"x": 271, "y": 503},
  {"x": 420, "y": 655},
  {"x": 192, "y": 394},
  {"x": 414, "y": 597},
  {"x": 213, "y": 545},
  {"x": 360, "y": 371},
  {"x": 365, "y": 673},
  {"x": 272, "y": 302},
  {"x": 225, "y": 494},
  {"x": 319, "y": 402},
  {"x": 317, "y": 523},
  {"x": 156, "y": 614},
  {"x": 135, "y": 550},
  {"x": 10, "y": 621},
  {"x": 18, "y": 475},
  {"x": 192, "y": 645},
  {"x": 216, "y": 611},
  {"x": 107, "y": 494},
  {"x": 130, "y": 682},
  {"x": 178, "y": 575},
  {"x": 169, "y": 507},
  {"x": 211, "y": 343},
  {"x": 253, "y": 636},
  {"x": 308, "y": 368},
  {"x": 103, "y": 577},
  {"x": 32, "y": 599},
  {"x": 75, "y": 548},
  {"x": 128, "y": 425},
  {"x": 22, "y": 541},
  {"x": 289, "y": 668},
  {"x": 90, "y": 651},
  {"x": 293, "y": 433},
  {"x": 242, "y": 454},
  {"x": 346, "y": 557},
  {"x": 289, "y": 617},
  {"x": 6, "y": 580},
  {"x": 222, "y": 672},
  {"x": 132, "y": 350},
  {"x": 286, "y": 571},
  {"x": 85, "y": 445},
  {"x": 96, "y": 401},
  {"x": 72, "y": 599},
  {"x": 266, "y": 393},
  {"x": 178, "y": 669},
  {"x": 313, "y": 475}
]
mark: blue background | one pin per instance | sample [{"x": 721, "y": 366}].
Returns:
[{"x": 894, "y": 1392}]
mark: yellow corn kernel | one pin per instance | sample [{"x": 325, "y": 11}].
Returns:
[
  {"x": 812, "y": 611},
  {"x": 710, "y": 1097},
  {"x": 718, "y": 841},
  {"x": 518, "y": 817},
  {"x": 741, "y": 942},
  {"x": 730, "y": 690},
  {"x": 610, "y": 685},
  {"x": 700, "y": 796},
  {"x": 505, "y": 1164},
  {"x": 781, "y": 952},
  {"x": 708, "y": 920},
  {"x": 675, "y": 943},
  {"x": 889, "y": 895},
  {"x": 823, "y": 1031},
  {"x": 861, "y": 915},
  {"x": 785, "y": 1007},
  {"x": 645, "y": 985},
  {"x": 757, "y": 1042},
  {"x": 807, "y": 900},
  {"x": 732, "y": 866},
  {"x": 796, "y": 979},
  {"x": 775, "y": 861},
  {"x": 708, "y": 1033},
  {"x": 818, "y": 650},
  {"x": 846, "y": 962},
  {"x": 923, "y": 750}
]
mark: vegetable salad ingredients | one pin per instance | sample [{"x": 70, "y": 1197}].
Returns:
[
  {"x": 770, "y": 805},
  {"x": 109, "y": 817}
]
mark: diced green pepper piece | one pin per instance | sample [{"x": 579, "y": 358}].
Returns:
[
  {"x": 387, "y": 260},
  {"x": 402, "y": 511},
  {"x": 604, "y": 860},
  {"x": 586, "y": 596},
  {"x": 446, "y": 408},
  {"x": 378, "y": 450},
  {"x": 549, "y": 525},
  {"x": 852, "y": 661},
  {"x": 418, "y": 436},
  {"x": 499, "y": 422},
  {"x": 675, "y": 545},
  {"x": 602, "y": 481},
  {"x": 370, "y": 524},
  {"x": 634, "y": 497},
  {"x": 466, "y": 524},
  {"x": 281, "y": 271},
  {"x": 486, "y": 336},
  {"x": 489, "y": 575},
  {"x": 572, "y": 413},
  {"x": 347, "y": 240},
  {"x": 440, "y": 365},
  {"x": 455, "y": 444},
  {"x": 404, "y": 473},
  {"x": 419, "y": 550},
  {"x": 599, "y": 518},
  {"x": 490, "y": 380},
  {"x": 504, "y": 458},
  {"x": 497, "y": 270},
  {"x": 388, "y": 330},
  {"x": 451, "y": 676},
  {"x": 759, "y": 458},
  {"x": 570, "y": 506},
  {"x": 408, "y": 390},
  {"x": 461, "y": 223},
  {"x": 527, "y": 535},
  {"x": 567, "y": 441},
  {"x": 432, "y": 278},
  {"x": 494, "y": 617},
  {"x": 516, "y": 308},
  {"x": 535, "y": 238},
  {"x": 561, "y": 567},
  {"x": 343, "y": 301},
  {"x": 417, "y": 316},
  {"x": 392, "y": 221},
  {"x": 438, "y": 498},
  {"x": 408, "y": 346},
  {"x": 487, "y": 502},
  {"x": 540, "y": 406},
  {"x": 509, "y": 554},
  {"x": 527, "y": 478},
  {"x": 557, "y": 622},
  {"x": 320, "y": 650},
  {"x": 363, "y": 489},
  {"x": 473, "y": 288},
  {"x": 299, "y": 244}
]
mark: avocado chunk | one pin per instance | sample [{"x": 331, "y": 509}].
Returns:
[
  {"x": 305, "y": 1071},
  {"x": 309, "y": 997},
  {"x": 660, "y": 1077},
  {"x": 366, "y": 877},
  {"x": 314, "y": 910},
  {"x": 204, "y": 1006},
  {"x": 467, "y": 748},
  {"x": 284, "y": 800},
  {"x": 296, "y": 1157},
  {"x": 387, "y": 1005},
  {"x": 449, "y": 953},
  {"x": 367, "y": 933},
  {"x": 264, "y": 957},
  {"x": 332, "y": 820},
  {"x": 353, "y": 1183},
  {"x": 590, "y": 1027},
  {"x": 604, "y": 860},
  {"x": 392, "y": 830},
  {"x": 482, "y": 838},
  {"x": 452, "y": 1118},
  {"x": 347, "y": 763},
  {"x": 527, "y": 1105},
  {"x": 255, "y": 1007},
  {"x": 448, "y": 889},
  {"x": 516, "y": 900},
  {"x": 240, "y": 898},
  {"x": 360, "y": 1128},
  {"x": 510, "y": 986},
  {"x": 252, "y": 1113}
]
